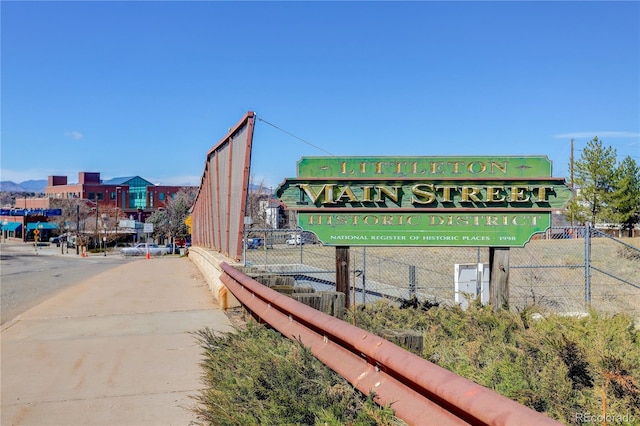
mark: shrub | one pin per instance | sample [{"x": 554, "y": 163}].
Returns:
[
  {"x": 256, "y": 376},
  {"x": 559, "y": 365}
]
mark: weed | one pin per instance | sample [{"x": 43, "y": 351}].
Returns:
[{"x": 555, "y": 364}]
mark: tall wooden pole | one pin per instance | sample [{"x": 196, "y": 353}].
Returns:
[
  {"x": 342, "y": 272},
  {"x": 571, "y": 174},
  {"x": 499, "y": 277},
  {"x": 77, "y": 227}
]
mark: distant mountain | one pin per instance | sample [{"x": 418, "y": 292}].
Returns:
[
  {"x": 26, "y": 186},
  {"x": 35, "y": 185},
  {"x": 8, "y": 186}
]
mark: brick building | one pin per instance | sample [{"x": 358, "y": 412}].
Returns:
[{"x": 129, "y": 197}]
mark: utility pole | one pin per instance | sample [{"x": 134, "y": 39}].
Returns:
[
  {"x": 117, "y": 189},
  {"x": 77, "y": 227},
  {"x": 97, "y": 234},
  {"x": 571, "y": 165},
  {"x": 571, "y": 174}
]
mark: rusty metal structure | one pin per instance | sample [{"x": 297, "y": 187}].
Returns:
[
  {"x": 419, "y": 391},
  {"x": 220, "y": 207}
]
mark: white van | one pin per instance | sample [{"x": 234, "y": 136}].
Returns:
[
  {"x": 294, "y": 240},
  {"x": 299, "y": 239}
]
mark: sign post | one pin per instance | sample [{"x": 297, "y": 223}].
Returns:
[
  {"x": 36, "y": 238},
  {"x": 496, "y": 202},
  {"x": 148, "y": 229}
]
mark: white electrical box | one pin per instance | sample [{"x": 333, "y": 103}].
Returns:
[{"x": 471, "y": 281}]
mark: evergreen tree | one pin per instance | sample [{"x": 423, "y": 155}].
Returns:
[
  {"x": 625, "y": 200},
  {"x": 595, "y": 178}
]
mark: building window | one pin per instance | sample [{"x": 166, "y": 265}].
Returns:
[
  {"x": 161, "y": 196},
  {"x": 138, "y": 193},
  {"x": 92, "y": 195},
  {"x": 112, "y": 196},
  {"x": 100, "y": 196}
]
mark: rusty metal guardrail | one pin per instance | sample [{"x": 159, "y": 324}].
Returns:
[{"x": 419, "y": 391}]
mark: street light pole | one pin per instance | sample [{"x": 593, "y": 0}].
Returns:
[
  {"x": 117, "y": 188},
  {"x": 97, "y": 232},
  {"x": 77, "y": 227}
]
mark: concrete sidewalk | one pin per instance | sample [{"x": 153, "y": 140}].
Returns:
[{"x": 114, "y": 350}]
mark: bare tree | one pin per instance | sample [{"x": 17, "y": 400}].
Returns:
[
  {"x": 72, "y": 222},
  {"x": 257, "y": 204},
  {"x": 170, "y": 222}
]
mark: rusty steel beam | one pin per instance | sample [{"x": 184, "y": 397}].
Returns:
[
  {"x": 408, "y": 405},
  {"x": 416, "y": 389}
]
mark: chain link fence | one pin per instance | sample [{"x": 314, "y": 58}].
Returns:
[{"x": 565, "y": 269}]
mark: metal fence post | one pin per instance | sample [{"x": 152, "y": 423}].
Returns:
[
  {"x": 587, "y": 264},
  {"x": 301, "y": 243},
  {"x": 364, "y": 275},
  {"x": 264, "y": 246},
  {"x": 412, "y": 281},
  {"x": 245, "y": 233}
]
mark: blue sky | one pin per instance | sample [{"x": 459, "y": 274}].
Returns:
[{"x": 147, "y": 88}]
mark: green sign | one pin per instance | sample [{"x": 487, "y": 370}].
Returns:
[
  {"x": 425, "y": 167},
  {"x": 367, "y": 194},
  {"x": 425, "y": 229},
  {"x": 424, "y": 201}
]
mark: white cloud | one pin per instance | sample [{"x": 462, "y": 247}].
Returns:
[
  {"x": 75, "y": 135},
  {"x": 268, "y": 182},
  {"x": 176, "y": 180},
  {"x": 591, "y": 135}
]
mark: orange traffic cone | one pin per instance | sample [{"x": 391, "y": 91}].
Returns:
[{"x": 148, "y": 257}]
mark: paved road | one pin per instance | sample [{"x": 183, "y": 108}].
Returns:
[
  {"x": 115, "y": 349},
  {"x": 30, "y": 277}
]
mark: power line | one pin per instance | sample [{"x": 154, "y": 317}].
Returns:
[{"x": 291, "y": 134}]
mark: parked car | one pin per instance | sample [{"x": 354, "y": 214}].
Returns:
[
  {"x": 295, "y": 240},
  {"x": 141, "y": 249},
  {"x": 173, "y": 248},
  {"x": 56, "y": 240},
  {"x": 254, "y": 243}
]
